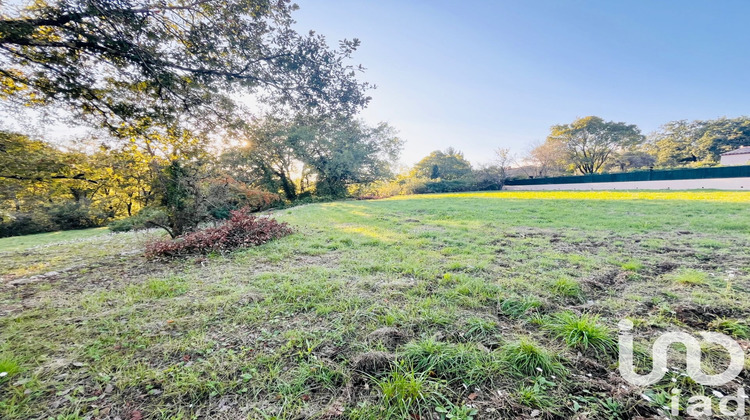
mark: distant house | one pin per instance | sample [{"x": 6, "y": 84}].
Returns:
[{"x": 740, "y": 156}]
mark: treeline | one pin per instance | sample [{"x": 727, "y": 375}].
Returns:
[
  {"x": 585, "y": 146},
  {"x": 592, "y": 145},
  {"x": 176, "y": 183},
  {"x": 440, "y": 172},
  {"x": 179, "y": 182}
]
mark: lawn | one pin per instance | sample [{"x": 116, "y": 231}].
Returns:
[
  {"x": 484, "y": 305},
  {"x": 18, "y": 243}
]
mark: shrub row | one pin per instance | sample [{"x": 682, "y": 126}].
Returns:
[
  {"x": 139, "y": 221},
  {"x": 62, "y": 215},
  {"x": 415, "y": 185}
]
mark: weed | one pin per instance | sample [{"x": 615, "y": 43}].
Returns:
[
  {"x": 537, "y": 394},
  {"x": 567, "y": 287},
  {"x": 456, "y": 412},
  {"x": 688, "y": 277},
  {"x": 8, "y": 368},
  {"x": 408, "y": 392},
  {"x": 732, "y": 327},
  {"x": 582, "y": 331},
  {"x": 456, "y": 363},
  {"x": 526, "y": 357},
  {"x": 632, "y": 265},
  {"x": 613, "y": 409},
  {"x": 158, "y": 288},
  {"x": 479, "y": 328},
  {"x": 516, "y": 308}
]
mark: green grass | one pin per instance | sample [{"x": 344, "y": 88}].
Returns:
[
  {"x": 480, "y": 329},
  {"x": 632, "y": 265},
  {"x": 518, "y": 307},
  {"x": 583, "y": 331},
  {"x": 16, "y": 243},
  {"x": 733, "y": 327},
  {"x": 158, "y": 289},
  {"x": 527, "y": 357},
  {"x": 537, "y": 395},
  {"x": 456, "y": 363},
  {"x": 8, "y": 369},
  {"x": 406, "y": 393},
  {"x": 454, "y": 294},
  {"x": 567, "y": 287},
  {"x": 689, "y": 277}
]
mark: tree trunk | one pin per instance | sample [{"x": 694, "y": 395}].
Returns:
[{"x": 288, "y": 186}]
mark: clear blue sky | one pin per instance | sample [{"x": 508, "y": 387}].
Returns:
[{"x": 478, "y": 75}]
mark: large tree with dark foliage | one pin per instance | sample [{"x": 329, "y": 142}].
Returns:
[{"x": 136, "y": 66}]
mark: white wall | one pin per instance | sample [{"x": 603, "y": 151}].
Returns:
[
  {"x": 678, "y": 184},
  {"x": 732, "y": 160}
]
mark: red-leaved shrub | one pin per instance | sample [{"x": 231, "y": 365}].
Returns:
[{"x": 242, "y": 230}]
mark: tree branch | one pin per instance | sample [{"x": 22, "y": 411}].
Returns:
[{"x": 79, "y": 177}]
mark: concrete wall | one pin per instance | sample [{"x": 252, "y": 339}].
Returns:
[
  {"x": 678, "y": 184},
  {"x": 732, "y": 160}
]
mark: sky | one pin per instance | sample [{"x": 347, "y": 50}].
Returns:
[{"x": 479, "y": 75}]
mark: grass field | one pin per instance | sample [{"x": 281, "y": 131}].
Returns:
[{"x": 480, "y": 305}]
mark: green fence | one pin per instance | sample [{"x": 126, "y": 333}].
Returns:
[{"x": 658, "y": 175}]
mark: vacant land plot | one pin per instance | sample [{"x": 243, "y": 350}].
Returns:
[{"x": 487, "y": 305}]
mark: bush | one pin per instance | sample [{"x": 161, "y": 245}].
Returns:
[
  {"x": 62, "y": 215},
  {"x": 453, "y": 185},
  {"x": 15, "y": 224},
  {"x": 67, "y": 215},
  {"x": 408, "y": 184},
  {"x": 227, "y": 194},
  {"x": 139, "y": 221},
  {"x": 240, "y": 231}
]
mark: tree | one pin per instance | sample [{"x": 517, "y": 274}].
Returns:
[
  {"x": 723, "y": 135},
  {"x": 178, "y": 187},
  {"x": 504, "y": 159},
  {"x": 634, "y": 159},
  {"x": 447, "y": 165},
  {"x": 343, "y": 152},
  {"x": 45, "y": 188},
  {"x": 140, "y": 66},
  {"x": 591, "y": 141},
  {"x": 267, "y": 159},
  {"x": 24, "y": 159},
  {"x": 548, "y": 158},
  {"x": 698, "y": 142},
  {"x": 281, "y": 154},
  {"x": 676, "y": 143}
]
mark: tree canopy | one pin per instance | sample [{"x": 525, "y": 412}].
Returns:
[
  {"x": 449, "y": 164},
  {"x": 290, "y": 155},
  {"x": 590, "y": 141},
  {"x": 163, "y": 78},
  {"x": 700, "y": 142},
  {"x": 133, "y": 65}
]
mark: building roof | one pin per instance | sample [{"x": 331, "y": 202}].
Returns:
[{"x": 744, "y": 150}]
